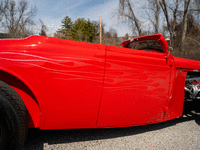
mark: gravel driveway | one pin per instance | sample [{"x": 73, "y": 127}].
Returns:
[{"x": 182, "y": 134}]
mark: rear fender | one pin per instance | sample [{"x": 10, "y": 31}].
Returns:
[
  {"x": 26, "y": 93},
  {"x": 174, "y": 106}
]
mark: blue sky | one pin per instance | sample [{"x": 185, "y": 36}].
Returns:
[{"x": 51, "y": 12}]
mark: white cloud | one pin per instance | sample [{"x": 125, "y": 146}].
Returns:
[{"x": 51, "y": 13}]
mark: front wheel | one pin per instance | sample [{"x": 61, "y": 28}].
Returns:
[{"x": 13, "y": 119}]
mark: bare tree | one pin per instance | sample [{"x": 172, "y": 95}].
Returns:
[
  {"x": 195, "y": 7},
  {"x": 126, "y": 10},
  {"x": 3, "y": 7},
  {"x": 156, "y": 14},
  {"x": 126, "y": 36},
  {"x": 112, "y": 31},
  {"x": 186, "y": 5},
  {"x": 171, "y": 22},
  {"x": 153, "y": 8},
  {"x": 17, "y": 17}
]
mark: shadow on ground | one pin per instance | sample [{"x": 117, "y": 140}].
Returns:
[{"x": 36, "y": 138}]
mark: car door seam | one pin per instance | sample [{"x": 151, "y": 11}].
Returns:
[{"x": 102, "y": 85}]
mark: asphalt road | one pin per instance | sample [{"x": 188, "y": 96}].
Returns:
[{"x": 179, "y": 134}]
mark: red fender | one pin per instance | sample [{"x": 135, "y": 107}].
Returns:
[{"x": 27, "y": 93}]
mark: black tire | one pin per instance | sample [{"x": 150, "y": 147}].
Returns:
[{"x": 13, "y": 119}]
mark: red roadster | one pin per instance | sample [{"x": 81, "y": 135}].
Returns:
[{"x": 51, "y": 83}]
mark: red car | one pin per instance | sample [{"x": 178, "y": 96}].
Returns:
[{"x": 51, "y": 83}]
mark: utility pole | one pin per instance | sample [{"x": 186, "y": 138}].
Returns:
[{"x": 100, "y": 31}]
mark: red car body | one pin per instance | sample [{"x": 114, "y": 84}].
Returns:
[{"x": 68, "y": 84}]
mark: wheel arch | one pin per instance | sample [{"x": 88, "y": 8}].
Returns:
[{"x": 27, "y": 94}]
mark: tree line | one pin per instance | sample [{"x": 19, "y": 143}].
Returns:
[
  {"x": 79, "y": 30},
  {"x": 87, "y": 31}
]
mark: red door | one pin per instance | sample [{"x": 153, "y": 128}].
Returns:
[{"x": 135, "y": 87}]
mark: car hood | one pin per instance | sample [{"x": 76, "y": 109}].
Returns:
[{"x": 186, "y": 63}]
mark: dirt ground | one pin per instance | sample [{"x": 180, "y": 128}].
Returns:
[{"x": 181, "y": 133}]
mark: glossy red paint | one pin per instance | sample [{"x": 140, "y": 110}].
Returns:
[
  {"x": 135, "y": 90},
  {"x": 68, "y": 84},
  {"x": 23, "y": 89},
  {"x": 178, "y": 94},
  {"x": 174, "y": 105},
  {"x": 186, "y": 63},
  {"x": 66, "y": 75}
]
